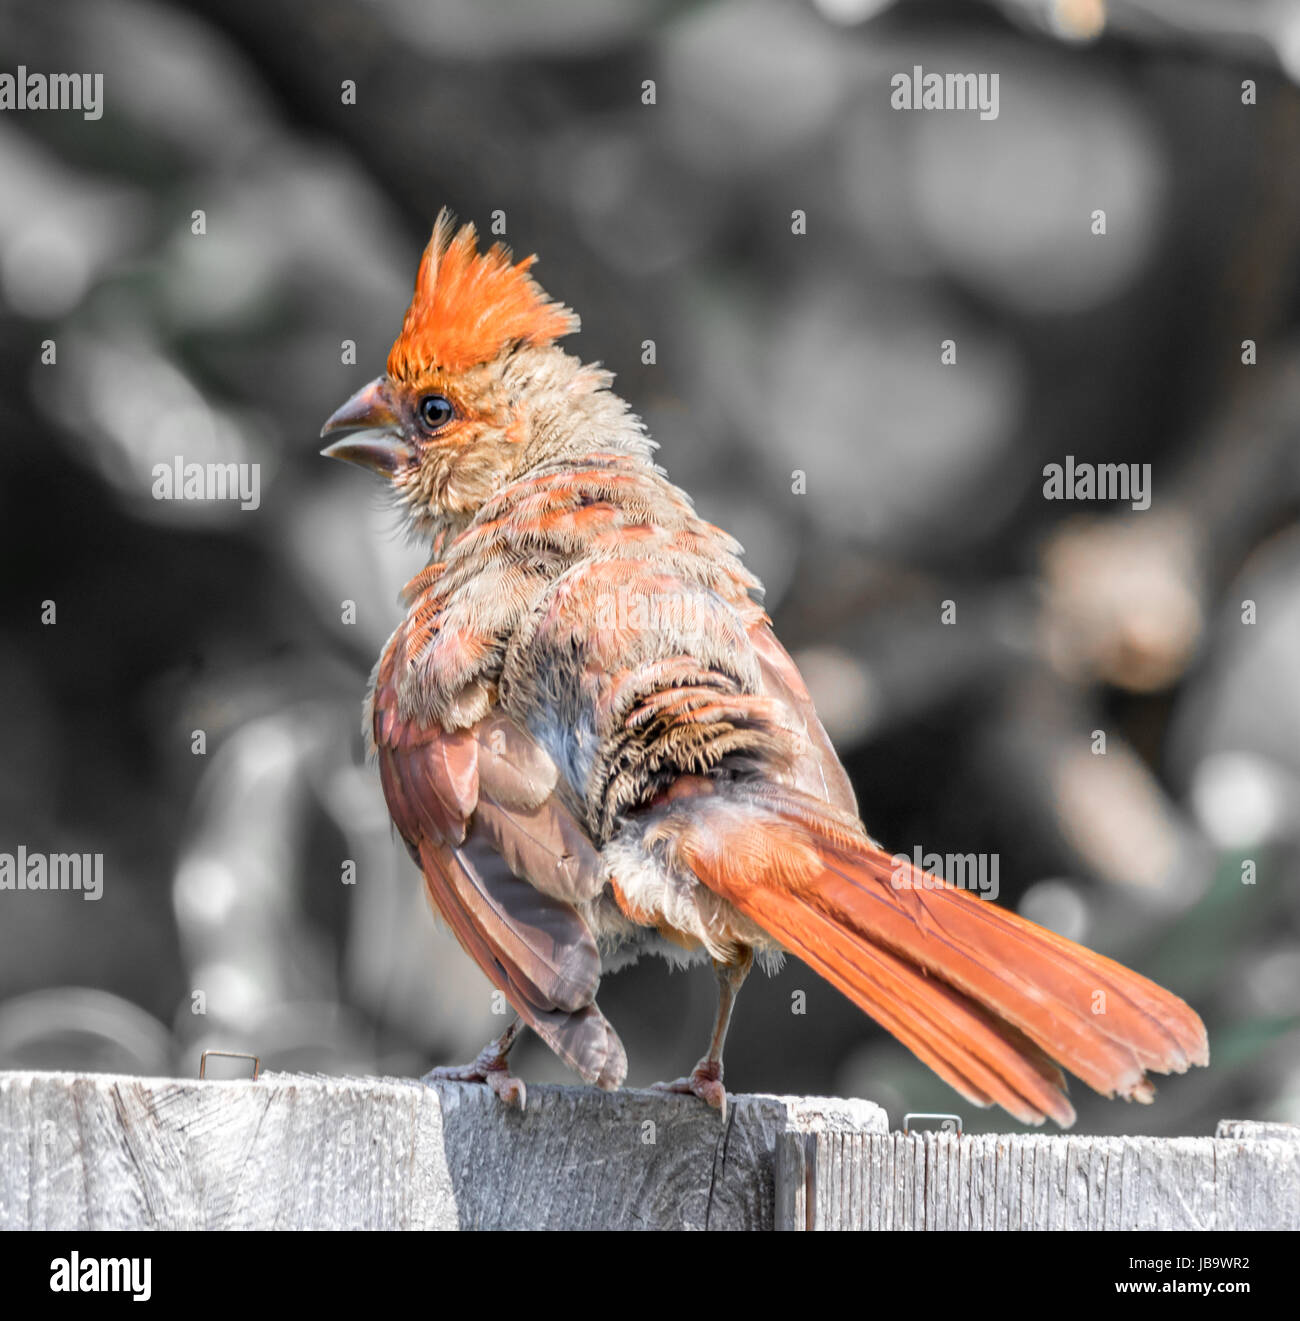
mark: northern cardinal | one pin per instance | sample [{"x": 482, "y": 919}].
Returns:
[{"x": 595, "y": 747}]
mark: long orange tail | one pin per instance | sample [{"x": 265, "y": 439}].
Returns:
[{"x": 985, "y": 998}]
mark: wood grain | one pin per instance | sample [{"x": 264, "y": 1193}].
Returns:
[
  {"x": 289, "y": 1151},
  {"x": 294, "y": 1152},
  {"x": 988, "y": 1181}
]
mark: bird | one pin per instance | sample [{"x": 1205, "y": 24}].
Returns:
[{"x": 595, "y": 748}]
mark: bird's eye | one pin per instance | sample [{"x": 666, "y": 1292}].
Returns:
[{"x": 436, "y": 411}]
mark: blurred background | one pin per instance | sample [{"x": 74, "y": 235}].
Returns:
[{"x": 230, "y": 915}]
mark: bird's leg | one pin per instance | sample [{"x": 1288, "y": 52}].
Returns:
[
  {"x": 490, "y": 1068},
  {"x": 705, "y": 1079}
]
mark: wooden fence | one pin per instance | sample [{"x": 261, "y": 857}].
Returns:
[{"x": 295, "y": 1152}]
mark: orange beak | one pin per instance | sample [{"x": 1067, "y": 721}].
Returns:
[{"x": 373, "y": 436}]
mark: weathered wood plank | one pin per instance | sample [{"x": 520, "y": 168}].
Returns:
[
  {"x": 950, "y": 1181},
  {"x": 286, "y": 1151}
]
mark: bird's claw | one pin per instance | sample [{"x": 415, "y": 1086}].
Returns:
[
  {"x": 704, "y": 1081},
  {"x": 509, "y": 1089}
]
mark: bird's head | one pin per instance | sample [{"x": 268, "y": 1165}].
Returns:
[{"x": 476, "y": 389}]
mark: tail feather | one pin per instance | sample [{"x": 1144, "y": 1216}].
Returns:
[
  {"x": 984, "y": 997},
  {"x": 940, "y": 1025}
]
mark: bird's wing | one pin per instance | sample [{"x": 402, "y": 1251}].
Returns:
[
  {"x": 504, "y": 862},
  {"x": 816, "y": 768}
]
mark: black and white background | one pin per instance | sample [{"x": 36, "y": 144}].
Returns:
[{"x": 776, "y": 261}]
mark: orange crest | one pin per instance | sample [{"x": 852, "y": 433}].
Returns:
[{"x": 468, "y": 306}]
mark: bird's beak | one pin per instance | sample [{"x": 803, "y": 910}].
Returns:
[{"x": 373, "y": 436}]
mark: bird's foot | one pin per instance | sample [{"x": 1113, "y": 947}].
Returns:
[
  {"x": 489, "y": 1068},
  {"x": 704, "y": 1081}
]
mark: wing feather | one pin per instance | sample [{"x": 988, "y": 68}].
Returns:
[{"x": 505, "y": 863}]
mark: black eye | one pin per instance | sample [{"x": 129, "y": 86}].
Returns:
[{"x": 435, "y": 411}]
